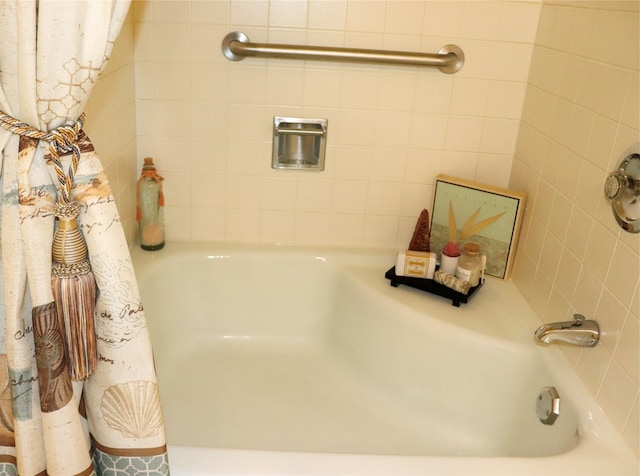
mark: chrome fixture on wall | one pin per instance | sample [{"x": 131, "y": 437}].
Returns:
[
  {"x": 299, "y": 143},
  {"x": 580, "y": 332},
  {"x": 622, "y": 189},
  {"x": 236, "y": 46}
]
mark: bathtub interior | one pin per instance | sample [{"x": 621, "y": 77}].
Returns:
[{"x": 299, "y": 353}]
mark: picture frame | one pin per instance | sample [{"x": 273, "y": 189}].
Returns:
[{"x": 473, "y": 202}]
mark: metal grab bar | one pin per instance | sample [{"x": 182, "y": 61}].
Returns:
[{"x": 236, "y": 46}]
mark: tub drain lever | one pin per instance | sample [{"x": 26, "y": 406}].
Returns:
[{"x": 548, "y": 405}]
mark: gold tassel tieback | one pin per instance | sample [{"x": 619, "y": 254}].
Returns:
[
  {"x": 74, "y": 291},
  {"x": 72, "y": 281}
]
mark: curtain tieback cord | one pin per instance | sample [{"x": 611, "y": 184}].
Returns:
[
  {"x": 72, "y": 280},
  {"x": 62, "y": 140}
]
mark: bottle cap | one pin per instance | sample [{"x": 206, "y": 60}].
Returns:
[{"x": 471, "y": 248}]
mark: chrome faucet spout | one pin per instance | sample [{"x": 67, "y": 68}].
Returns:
[{"x": 580, "y": 332}]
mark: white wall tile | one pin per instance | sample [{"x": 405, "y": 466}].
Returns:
[
  {"x": 243, "y": 192},
  {"x": 499, "y": 136},
  {"x": 582, "y": 27},
  {"x": 178, "y": 222},
  {"x": 580, "y": 128},
  {"x": 505, "y": 99},
  {"x": 170, "y": 117},
  {"x": 279, "y": 194},
  {"x": 591, "y": 85},
  {"x": 432, "y": 93},
  {"x": 359, "y": 89},
  {"x": 494, "y": 169},
  {"x": 443, "y": 18},
  {"x": 423, "y": 166},
  {"x": 588, "y": 293},
  {"x": 248, "y": 157},
  {"x": 626, "y": 42},
  {"x": 469, "y": 96},
  {"x": 391, "y": 129},
  {"x": 206, "y": 40},
  {"x": 384, "y": 198},
  {"x": 366, "y": 16},
  {"x": 172, "y": 42},
  {"x": 349, "y": 197},
  {"x": 601, "y": 141},
  {"x": 460, "y": 164},
  {"x": 172, "y": 11},
  {"x": 209, "y": 191},
  {"x": 277, "y": 227},
  {"x": 327, "y": 15},
  {"x": 244, "y": 122},
  {"x": 284, "y": 86},
  {"x": 479, "y": 58},
  {"x": 171, "y": 83},
  {"x": 631, "y": 110},
  {"x": 578, "y": 232},
  {"x": 312, "y": 229},
  {"x": 243, "y": 225},
  {"x": 396, "y": 92},
  {"x": 572, "y": 70},
  {"x": 380, "y": 231},
  {"x": 322, "y": 87},
  {"x": 623, "y": 273},
  {"x": 464, "y": 133},
  {"x": 404, "y": 17},
  {"x": 287, "y": 13},
  {"x": 428, "y": 131},
  {"x": 356, "y": 127},
  {"x": 208, "y": 224},
  {"x": 314, "y": 195},
  {"x": 387, "y": 164},
  {"x": 247, "y": 85},
  {"x": 415, "y": 198},
  {"x": 211, "y": 12},
  {"x": 209, "y": 83},
  {"x": 481, "y": 20},
  {"x": 250, "y": 12},
  {"x": 346, "y": 230},
  {"x": 352, "y": 163},
  {"x": 518, "y": 22}
]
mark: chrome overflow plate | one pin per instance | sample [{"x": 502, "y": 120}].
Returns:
[{"x": 548, "y": 405}]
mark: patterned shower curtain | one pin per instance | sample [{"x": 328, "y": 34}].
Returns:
[{"x": 51, "y": 53}]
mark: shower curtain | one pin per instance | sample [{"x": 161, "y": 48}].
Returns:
[{"x": 51, "y": 53}]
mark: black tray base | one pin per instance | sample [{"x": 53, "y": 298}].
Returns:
[{"x": 430, "y": 286}]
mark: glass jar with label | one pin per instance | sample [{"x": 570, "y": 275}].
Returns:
[{"x": 470, "y": 264}]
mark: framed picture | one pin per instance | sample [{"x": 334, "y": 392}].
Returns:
[{"x": 487, "y": 215}]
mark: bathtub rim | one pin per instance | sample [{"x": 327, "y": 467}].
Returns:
[{"x": 226, "y": 462}]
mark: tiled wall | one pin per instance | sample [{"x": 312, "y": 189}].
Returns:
[
  {"x": 111, "y": 126},
  {"x": 580, "y": 114},
  {"x": 392, "y": 129}
]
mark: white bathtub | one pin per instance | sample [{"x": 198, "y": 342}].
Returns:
[{"x": 298, "y": 362}]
